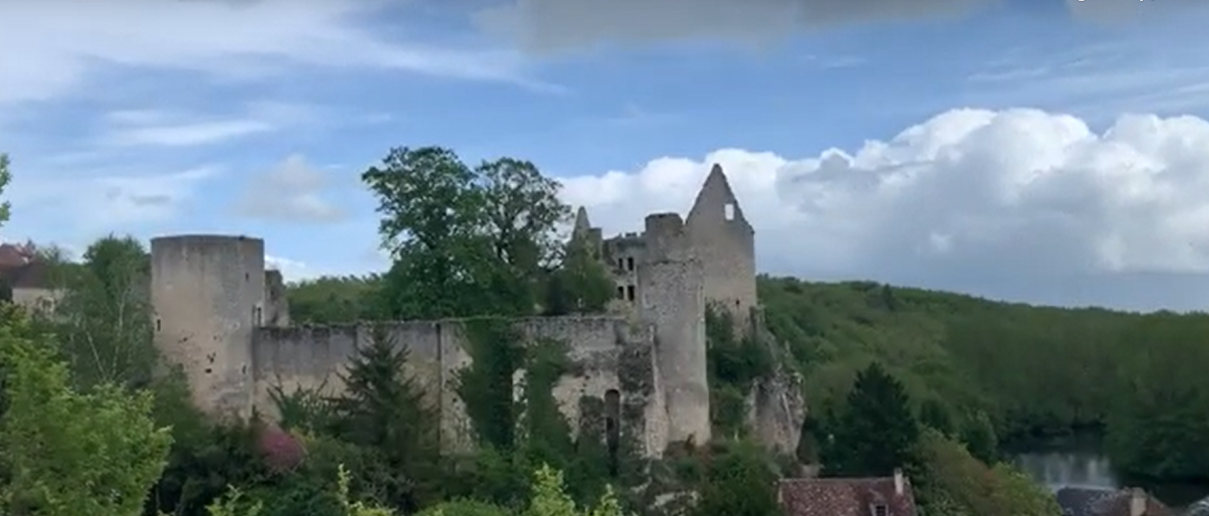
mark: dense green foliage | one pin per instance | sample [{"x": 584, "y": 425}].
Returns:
[{"x": 1014, "y": 371}]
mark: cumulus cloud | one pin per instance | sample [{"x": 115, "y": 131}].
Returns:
[
  {"x": 1017, "y": 203},
  {"x": 61, "y": 43},
  {"x": 292, "y": 192}
]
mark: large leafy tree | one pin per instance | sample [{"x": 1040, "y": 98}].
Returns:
[
  {"x": 875, "y": 431},
  {"x": 740, "y": 481},
  {"x": 70, "y": 453},
  {"x": 104, "y": 317},
  {"x": 949, "y": 481},
  {"x": 465, "y": 241}
]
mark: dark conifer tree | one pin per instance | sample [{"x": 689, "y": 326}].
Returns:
[
  {"x": 875, "y": 431},
  {"x": 382, "y": 410}
]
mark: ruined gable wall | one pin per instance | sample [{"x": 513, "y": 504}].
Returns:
[{"x": 603, "y": 351}]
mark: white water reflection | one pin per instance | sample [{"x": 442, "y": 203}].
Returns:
[{"x": 1061, "y": 469}]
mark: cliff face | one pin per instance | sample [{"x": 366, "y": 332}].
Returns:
[{"x": 776, "y": 407}]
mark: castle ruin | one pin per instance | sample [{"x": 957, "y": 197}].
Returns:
[{"x": 224, "y": 319}]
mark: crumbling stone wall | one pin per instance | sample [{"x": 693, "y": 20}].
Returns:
[{"x": 600, "y": 347}]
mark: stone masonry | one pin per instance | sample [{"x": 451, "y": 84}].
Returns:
[{"x": 224, "y": 319}]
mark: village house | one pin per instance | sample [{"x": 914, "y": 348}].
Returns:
[
  {"x": 24, "y": 276},
  {"x": 876, "y": 496}
]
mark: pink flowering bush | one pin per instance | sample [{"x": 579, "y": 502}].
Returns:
[{"x": 282, "y": 451}]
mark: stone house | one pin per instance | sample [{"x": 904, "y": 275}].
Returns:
[{"x": 25, "y": 277}]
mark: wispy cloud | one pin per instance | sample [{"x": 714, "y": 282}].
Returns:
[
  {"x": 835, "y": 62},
  {"x": 169, "y": 131},
  {"x": 633, "y": 115},
  {"x": 1138, "y": 74},
  {"x": 224, "y": 39}
]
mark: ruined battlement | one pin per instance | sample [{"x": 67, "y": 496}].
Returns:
[
  {"x": 599, "y": 348},
  {"x": 224, "y": 319}
]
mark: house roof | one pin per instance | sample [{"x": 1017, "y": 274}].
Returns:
[
  {"x": 845, "y": 497},
  {"x": 29, "y": 275},
  {"x": 12, "y": 255},
  {"x": 1081, "y": 501}
]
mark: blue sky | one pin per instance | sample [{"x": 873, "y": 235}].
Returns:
[{"x": 1038, "y": 150}]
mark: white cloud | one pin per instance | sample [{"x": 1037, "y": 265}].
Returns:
[
  {"x": 292, "y": 192},
  {"x": 61, "y": 42},
  {"x": 103, "y": 201},
  {"x": 986, "y": 201}
]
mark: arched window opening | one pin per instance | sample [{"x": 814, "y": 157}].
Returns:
[{"x": 613, "y": 428}]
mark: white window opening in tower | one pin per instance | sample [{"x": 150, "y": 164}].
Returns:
[{"x": 729, "y": 211}]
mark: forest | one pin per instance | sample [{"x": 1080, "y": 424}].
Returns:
[{"x": 91, "y": 421}]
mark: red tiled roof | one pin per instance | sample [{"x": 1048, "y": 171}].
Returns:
[{"x": 845, "y": 497}]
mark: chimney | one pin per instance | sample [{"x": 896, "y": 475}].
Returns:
[
  {"x": 899, "y": 481},
  {"x": 1137, "y": 502}
]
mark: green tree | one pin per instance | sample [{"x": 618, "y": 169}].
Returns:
[
  {"x": 1160, "y": 424},
  {"x": 70, "y": 453},
  {"x": 335, "y": 299},
  {"x": 740, "y": 481},
  {"x": 948, "y": 481},
  {"x": 5, "y": 178},
  {"x": 383, "y": 410},
  {"x": 933, "y": 413},
  {"x": 104, "y": 318},
  {"x": 465, "y": 241},
  {"x": 580, "y": 283},
  {"x": 550, "y": 498},
  {"x": 876, "y": 431},
  {"x": 978, "y": 434}
]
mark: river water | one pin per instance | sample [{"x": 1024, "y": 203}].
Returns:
[{"x": 1082, "y": 467}]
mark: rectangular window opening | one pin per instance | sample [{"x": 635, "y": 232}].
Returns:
[
  {"x": 729, "y": 211},
  {"x": 629, "y": 292},
  {"x": 629, "y": 263},
  {"x": 620, "y": 292}
]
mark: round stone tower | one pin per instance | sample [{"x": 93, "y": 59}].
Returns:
[{"x": 207, "y": 292}]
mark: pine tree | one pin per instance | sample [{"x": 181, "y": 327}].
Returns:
[
  {"x": 384, "y": 411},
  {"x": 876, "y": 430}
]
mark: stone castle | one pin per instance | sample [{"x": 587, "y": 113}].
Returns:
[{"x": 224, "y": 319}]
